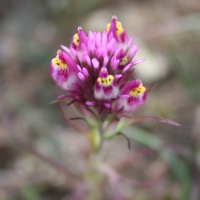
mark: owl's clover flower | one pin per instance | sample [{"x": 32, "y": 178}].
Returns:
[
  {"x": 96, "y": 70},
  {"x": 96, "y": 73}
]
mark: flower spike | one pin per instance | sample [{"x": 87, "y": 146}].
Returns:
[
  {"x": 96, "y": 69},
  {"x": 96, "y": 73}
]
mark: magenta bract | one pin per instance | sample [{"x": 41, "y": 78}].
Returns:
[{"x": 96, "y": 69}]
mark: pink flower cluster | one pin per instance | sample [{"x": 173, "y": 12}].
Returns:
[{"x": 97, "y": 69}]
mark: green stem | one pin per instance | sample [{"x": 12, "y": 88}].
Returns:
[{"x": 95, "y": 139}]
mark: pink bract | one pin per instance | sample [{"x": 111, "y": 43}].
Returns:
[{"x": 96, "y": 70}]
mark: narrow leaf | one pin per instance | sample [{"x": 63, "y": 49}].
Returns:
[{"x": 151, "y": 118}]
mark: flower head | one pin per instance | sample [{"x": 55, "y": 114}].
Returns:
[{"x": 97, "y": 68}]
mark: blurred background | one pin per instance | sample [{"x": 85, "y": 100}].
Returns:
[{"x": 168, "y": 33}]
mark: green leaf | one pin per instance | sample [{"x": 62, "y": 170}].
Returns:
[
  {"x": 178, "y": 167},
  {"x": 151, "y": 118}
]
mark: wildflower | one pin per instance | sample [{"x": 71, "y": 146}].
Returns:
[
  {"x": 96, "y": 74},
  {"x": 96, "y": 70}
]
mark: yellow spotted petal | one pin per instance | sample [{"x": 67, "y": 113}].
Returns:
[
  {"x": 106, "y": 81},
  {"x": 136, "y": 91},
  {"x": 123, "y": 61},
  {"x": 59, "y": 63},
  {"x": 76, "y": 39},
  {"x": 119, "y": 29},
  {"x": 108, "y": 27}
]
